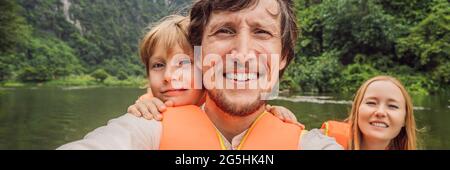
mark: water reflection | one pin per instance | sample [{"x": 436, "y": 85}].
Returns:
[{"x": 45, "y": 118}]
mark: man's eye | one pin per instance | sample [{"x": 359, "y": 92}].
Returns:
[
  {"x": 263, "y": 34},
  {"x": 225, "y": 31},
  {"x": 260, "y": 31}
]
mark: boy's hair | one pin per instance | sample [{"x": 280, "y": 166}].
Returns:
[{"x": 167, "y": 33}]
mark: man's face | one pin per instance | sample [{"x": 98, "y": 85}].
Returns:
[{"x": 241, "y": 39}]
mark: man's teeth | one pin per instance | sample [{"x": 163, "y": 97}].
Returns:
[
  {"x": 241, "y": 76},
  {"x": 383, "y": 125}
]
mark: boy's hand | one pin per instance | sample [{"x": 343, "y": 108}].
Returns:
[
  {"x": 149, "y": 108},
  {"x": 284, "y": 114}
]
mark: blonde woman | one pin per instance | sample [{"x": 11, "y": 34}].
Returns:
[{"x": 381, "y": 118}]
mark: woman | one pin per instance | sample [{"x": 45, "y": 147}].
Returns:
[{"x": 381, "y": 118}]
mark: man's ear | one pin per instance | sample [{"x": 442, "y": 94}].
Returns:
[{"x": 283, "y": 63}]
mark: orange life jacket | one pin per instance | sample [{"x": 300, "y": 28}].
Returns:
[
  {"x": 339, "y": 131},
  {"x": 189, "y": 128}
]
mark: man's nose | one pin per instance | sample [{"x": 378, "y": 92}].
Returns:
[{"x": 243, "y": 50}]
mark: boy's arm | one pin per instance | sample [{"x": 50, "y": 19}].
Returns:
[
  {"x": 126, "y": 132},
  {"x": 149, "y": 107},
  {"x": 147, "y": 95},
  {"x": 284, "y": 114}
]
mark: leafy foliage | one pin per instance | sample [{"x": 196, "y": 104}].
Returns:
[
  {"x": 345, "y": 42},
  {"x": 342, "y": 42},
  {"x": 50, "y": 39}
]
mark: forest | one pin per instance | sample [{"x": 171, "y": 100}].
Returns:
[{"x": 341, "y": 42}]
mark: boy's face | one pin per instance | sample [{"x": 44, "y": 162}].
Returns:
[{"x": 171, "y": 76}]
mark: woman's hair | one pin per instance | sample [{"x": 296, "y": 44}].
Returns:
[
  {"x": 167, "y": 33},
  {"x": 405, "y": 140}
]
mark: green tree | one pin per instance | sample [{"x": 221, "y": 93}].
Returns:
[
  {"x": 6, "y": 67},
  {"x": 100, "y": 75},
  {"x": 319, "y": 74},
  {"x": 46, "y": 59},
  {"x": 405, "y": 38},
  {"x": 121, "y": 75},
  {"x": 355, "y": 74},
  {"x": 35, "y": 74},
  {"x": 13, "y": 28},
  {"x": 427, "y": 45}
]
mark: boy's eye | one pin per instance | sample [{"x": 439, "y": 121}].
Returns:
[
  {"x": 185, "y": 62},
  {"x": 158, "y": 66}
]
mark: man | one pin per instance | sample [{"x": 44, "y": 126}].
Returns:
[{"x": 229, "y": 31}]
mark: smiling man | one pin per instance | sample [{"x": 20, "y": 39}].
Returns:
[
  {"x": 238, "y": 39},
  {"x": 241, "y": 32}
]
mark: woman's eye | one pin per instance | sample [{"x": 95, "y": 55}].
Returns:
[
  {"x": 393, "y": 106},
  {"x": 371, "y": 103}
]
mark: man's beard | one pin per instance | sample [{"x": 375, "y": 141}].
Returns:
[{"x": 232, "y": 108}]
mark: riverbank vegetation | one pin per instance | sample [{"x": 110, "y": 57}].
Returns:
[{"x": 341, "y": 43}]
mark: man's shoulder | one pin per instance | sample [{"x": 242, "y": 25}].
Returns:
[
  {"x": 129, "y": 118},
  {"x": 134, "y": 124},
  {"x": 316, "y": 140}
]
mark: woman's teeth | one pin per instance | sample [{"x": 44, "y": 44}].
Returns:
[
  {"x": 379, "y": 124},
  {"x": 241, "y": 76}
]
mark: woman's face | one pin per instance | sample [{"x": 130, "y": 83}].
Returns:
[{"x": 382, "y": 112}]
